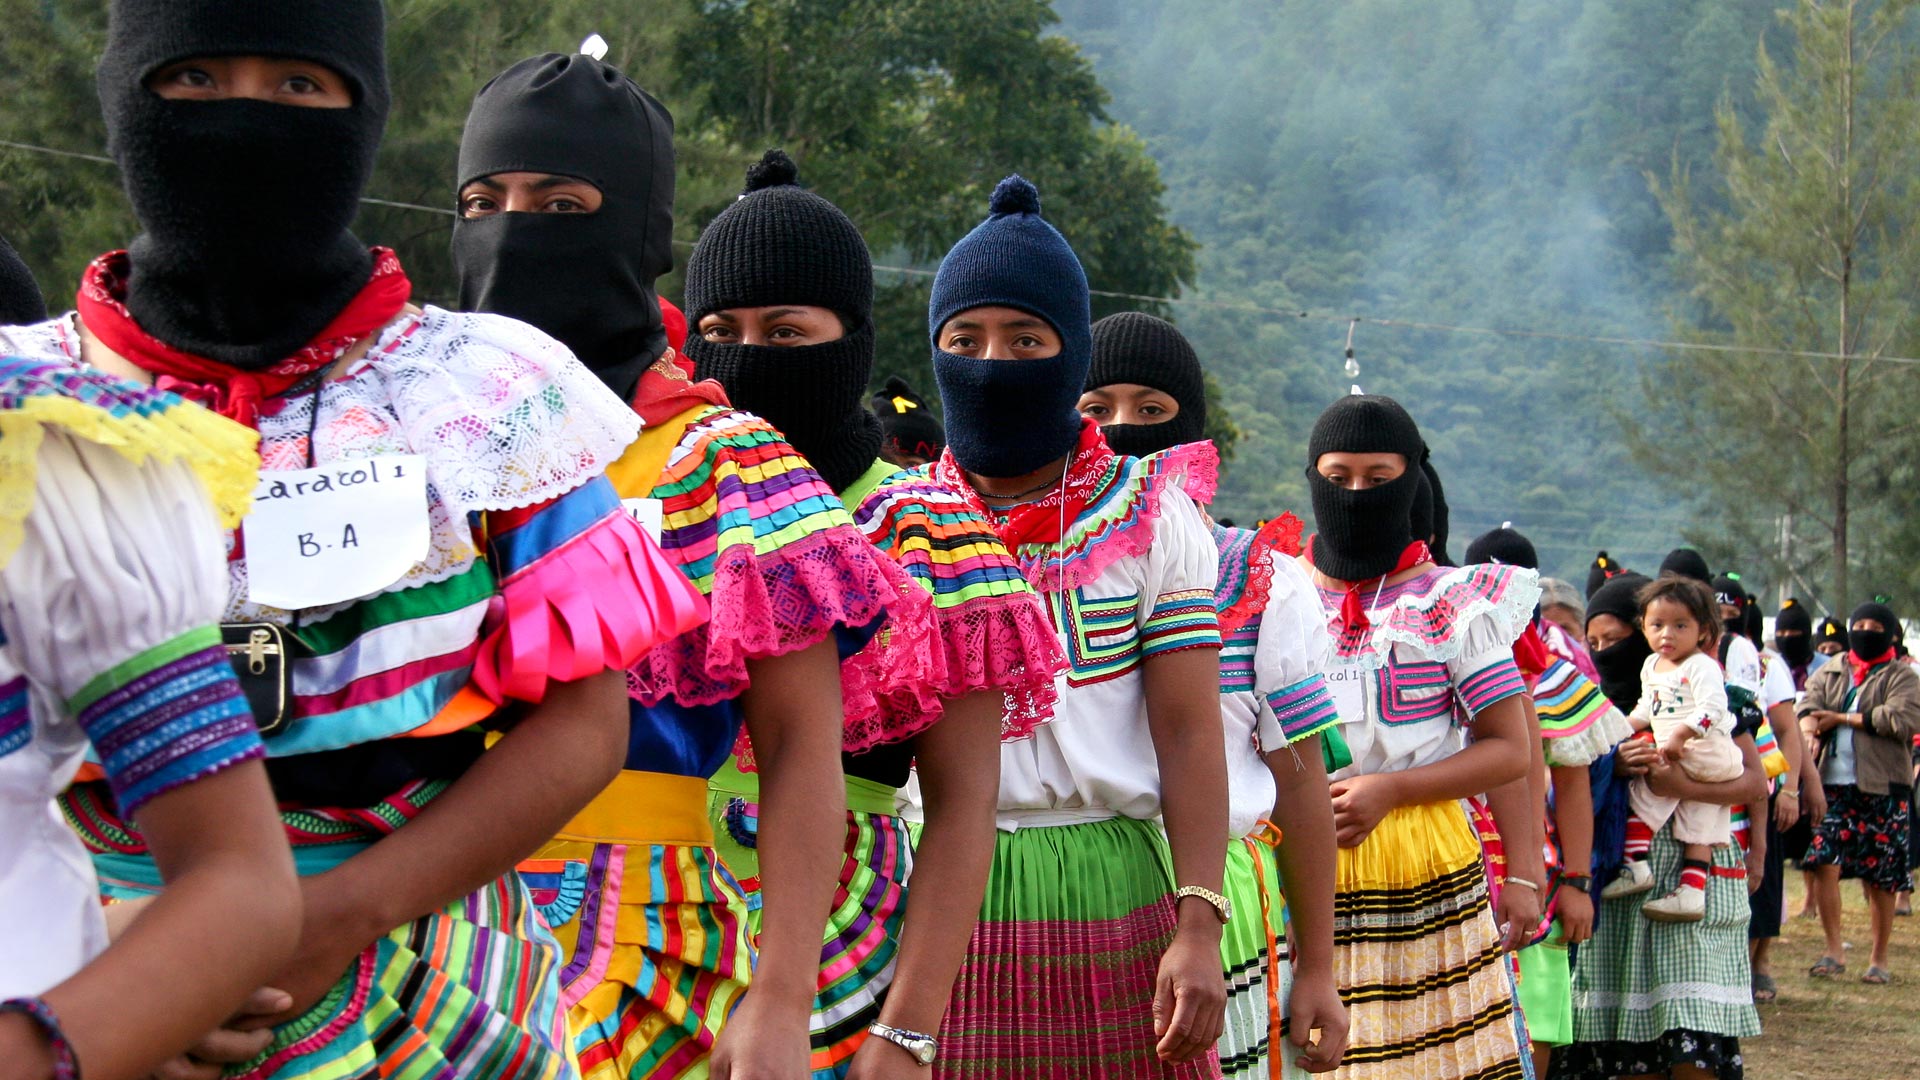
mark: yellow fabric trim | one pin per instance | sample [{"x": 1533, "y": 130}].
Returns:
[
  {"x": 638, "y": 471},
  {"x": 222, "y": 454},
  {"x": 645, "y": 808},
  {"x": 1411, "y": 846}
]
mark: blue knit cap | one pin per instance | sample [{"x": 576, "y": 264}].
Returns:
[{"x": 1011, "y": 417}]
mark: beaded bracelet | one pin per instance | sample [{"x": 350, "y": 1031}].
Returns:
[{"x": 65, "y": 1065}]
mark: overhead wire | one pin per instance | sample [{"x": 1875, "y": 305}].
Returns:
[{"x": 1249, "y": 307}]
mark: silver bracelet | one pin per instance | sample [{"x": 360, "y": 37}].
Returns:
[{"x": 1522, "y": 882}]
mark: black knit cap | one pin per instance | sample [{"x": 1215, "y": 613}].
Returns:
[
  {"x": 1687, "y": 562},
  {"x": 1793, "y": 616},
  {"x": 1878, "y": 612},
  {"x": 1728, "y": 590},
  {"x": 1134, "y": 347},
  {"x": 1505, "y": 546},
  {"x": 1366, "y": 424},
  {"x": 780, "y": 244},
  {"x": 1605, "y": 568},
  {"x": 1832, "y": 629},
  {"x": 1619, "y": 597},
  {"x": 349, "y": 36},
  {"x": 20, "y": 299},
  {"x": 907, "y": 425}
]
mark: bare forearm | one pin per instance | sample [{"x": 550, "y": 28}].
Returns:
[
  {"x": 959, "y": 767},
  {"x": 198, "y": 948},
  {"x": 1785, "y": 731},
  {"x": 1485, "y": 764},
  {"x": 1750, "y": 789},
  {"x": 1520, "y": 822},
  {"x": 794, "y": 718},
  {"x": 514, "y": 798},
  {"x": 1573, "y": 817},
  {"x": 1306, "y": 855},
  {"x": 1189, "y": 743}
]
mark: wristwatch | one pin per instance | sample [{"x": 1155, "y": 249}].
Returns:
[
  {"x": 923, "y": 1047},
  {"x": 1222, "y": 906}
]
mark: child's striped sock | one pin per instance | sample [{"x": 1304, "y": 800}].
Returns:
[
  {"x": 1694, "y": 872},
  {"x": 1639, "y": 840}
]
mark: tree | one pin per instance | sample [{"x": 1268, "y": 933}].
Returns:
[{"x": 1807, "y": 238}]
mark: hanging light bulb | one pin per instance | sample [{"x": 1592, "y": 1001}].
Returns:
[
  {"x": 595, "y": 46},
  {"x": 1352, "y": 367}
]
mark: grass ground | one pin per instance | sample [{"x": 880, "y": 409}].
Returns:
[{"x": 1839, "y": 1029}]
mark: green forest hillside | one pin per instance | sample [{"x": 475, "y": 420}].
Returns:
[{"x": 1470, "y": 162}]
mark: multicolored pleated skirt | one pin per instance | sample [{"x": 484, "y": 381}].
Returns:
[
  {"x": 862, "y": 941},
  {"x": 1254, "y": 954},
  {"x": 1417, "y": 956},
  {"x": 1059, "y": 977},
  {"x": 470, "y": 991},
  {"x": 652, "y": 925}
]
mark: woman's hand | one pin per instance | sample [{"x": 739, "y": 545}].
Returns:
[
  {"x": 1756, "y": 862},
  {"x": 1635, "y": 757},
  {"x": 878, "y": 1059},
  {"x": 1360, "y": 803},
  {"x": 236, "y": 1042},
  {"x": 765, "y": 1039},
  {"x": 1315, "y": 1004},
  {"x": 1190, "y": 997},
  {"x": 1813, "y": 796},
  {"x": 1786, "y": 809},
  {"x": 1825, "y": 720},
  {"x": 1661, "y": 774},
  {"x": 1518, "y": 915},
  {"x": 1575, "y": 914}
]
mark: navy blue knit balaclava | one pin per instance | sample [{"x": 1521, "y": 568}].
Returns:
[{"x": 1012, "y": 417}]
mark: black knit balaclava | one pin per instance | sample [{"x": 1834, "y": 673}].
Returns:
[
  {"x": 244, "y": 205},
  {"x": 587, "y": 279},
  {"x": 1361, "y": 534},
  {"x": 20, "y": 299},
  {"x": 1504, "y": 545},
  {"x": 1442, "y": 516},
  {"x": 1832, "y": 630},
  {"x": 1689, "y": 563},
  {"x": 907, "y": 424},
  {"x": 1871, "y": 645},
  {"x": 1012, "y": 417},
  {"x": 1605, "y": 567},
  {"x": 1793, "y": 634},
  {"x": 1134, "y": 347},
  {"x": 1619, "y": 664},
  {"x": 1728, "y": 591},
  {"x": 781, "y": 244}
]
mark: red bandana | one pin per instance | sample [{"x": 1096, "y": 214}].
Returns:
[
  {"x": 1861, "y": 667},
  {"x": 235, "y": 394},
  {"x": 667, "y": 389},
  {"x": 1353, "y": 609},
  {"x": 1040, "y": 522}
]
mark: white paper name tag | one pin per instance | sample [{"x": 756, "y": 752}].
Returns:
[
  {"x": 336, "y": 533},
  {"x": 650, "y": 513}
]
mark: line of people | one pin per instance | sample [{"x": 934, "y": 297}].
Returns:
[{"x": 689, "y": 734}]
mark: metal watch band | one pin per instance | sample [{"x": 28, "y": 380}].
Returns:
[
  {"x": 1222, "y": 906},
  {"x": 924, "y": 1048}
]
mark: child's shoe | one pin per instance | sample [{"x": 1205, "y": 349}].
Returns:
[
  {"x": 1687, "y": 903},
  {"x": 1634, "y": 878}
]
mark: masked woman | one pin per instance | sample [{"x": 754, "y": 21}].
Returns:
[
  {"x": 433, "y": 550},
  {"x": 1421, "y": 657},
  {"x": 1148, "y": 393},
  {"x": 1098, "y": 948},
  {"x": 780, "y": 296}
]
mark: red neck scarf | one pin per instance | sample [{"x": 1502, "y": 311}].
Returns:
[
  {"x": 1353, "y": 608},
  {"x": 1040, "y": 522},
  {"x": 233, "y": 393},
  {"x": 667, "y": 389},
  {"x": 1861, "y": 667}
]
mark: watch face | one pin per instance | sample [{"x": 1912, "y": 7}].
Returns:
[{"x": 922, "y": 1050}]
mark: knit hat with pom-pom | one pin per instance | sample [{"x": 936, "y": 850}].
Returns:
[
  {"x": 1012, "y": 417},
  {"x": 1793, "y": 617},
  {"x": 1605, "y": 567},
  {"x": 780, "y": 244},
  {"x": 1504, "y": 545},
  {"x": 907, "y": 424}
]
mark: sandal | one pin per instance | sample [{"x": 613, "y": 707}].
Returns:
[
  {"x": 1764, "y": 990},
  {"x": 1826, "y": 968},
  {"x": 1877, "y": 976}
]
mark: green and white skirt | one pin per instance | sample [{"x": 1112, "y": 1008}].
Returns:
[{"x": 1258, "y": 964}]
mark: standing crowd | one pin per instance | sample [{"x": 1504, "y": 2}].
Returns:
[{"x": 657, "y": 703}]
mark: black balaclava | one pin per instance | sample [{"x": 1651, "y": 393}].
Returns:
[
  {"x": 586, "y": 279},
  {"x": 1504, "y": 545},
  {"x": 1361, "y": 534},
  {"x": 1831, "y": 629},
  {"x": 1687, "y": 562},
  {"x": 245, "y": 254},
  {"x": 907, "y": 424},
  {"x": 1756, "y": 628},
  {"x": 780, "y": 244},
  {"x": 1134, "y": 347},
  {"x": 1619, "y": 664},
  {"x": 1012, "y": 417},
  {"x": 1796, "y": 647},
  {"x": 1728, "y": 591},
  {"x": 20, "y": 299},
  {"x": 1441, "y": 515},
  {"x": 1871, "y": 645},
  {"x": 1604, "y": 569}
]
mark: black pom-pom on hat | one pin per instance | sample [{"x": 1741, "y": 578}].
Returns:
[
  {"x": 1015, "y": 195},
  {"x": 774, "y": 169}
]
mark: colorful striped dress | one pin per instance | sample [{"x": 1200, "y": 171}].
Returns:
[
  {"x": 653, "y": 922},
  {"x": 110, "y": 577},
  {"x": 1272, "y": 696},
  {"x": 533, "y": 575},
  {"x": 1059, "y": 976},
  {"x": 992, "y": 634},
  {"x": 1416, "y": 953}
]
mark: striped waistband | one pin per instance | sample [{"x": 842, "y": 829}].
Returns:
[{"x": 645, "y": 808}]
